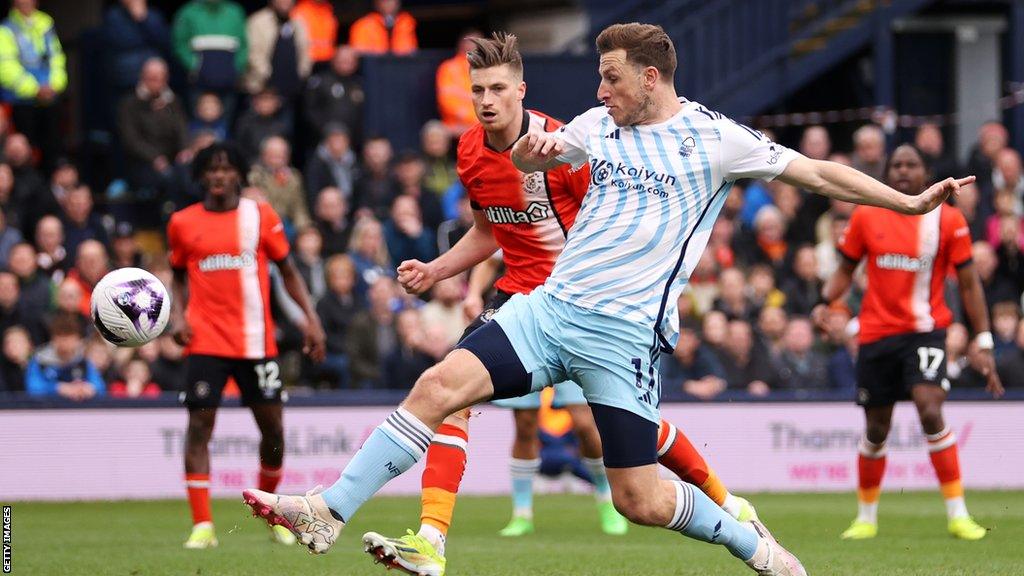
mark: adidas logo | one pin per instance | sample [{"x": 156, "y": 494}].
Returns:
[{"x": 614, "y": 135}]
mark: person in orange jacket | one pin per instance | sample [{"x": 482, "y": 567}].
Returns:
[
  {"x": 386, "y": 30},
  {"x": 454, "y": 95},
  {"x": 317, "y": 16}
]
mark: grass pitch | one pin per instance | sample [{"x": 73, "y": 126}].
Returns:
[{"x": 144, "y": 539}]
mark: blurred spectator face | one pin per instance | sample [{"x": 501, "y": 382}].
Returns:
[
  {"x": 282, "y": 7},
  {"x": 49, "y": 234},
  {"x": 338, "y": 144},
  {"x": 740, "y": 338},
  {"x": 331, "y": 206},
  {"x": 722, "y": 232},
  {"x": 906, "y": 171},
  {"x": 799, "y": 336},
  {"x": 805, "y": 264},
  {"x": 869, "y": 144},
  {"x": 381, "y": 293},
  {"x": 6, "y": 183},
  {"x": 956, "y": 340},
  {"x": 154, "y": 76},
  {"x": 22, "y": 260},
  {"x": 67, "y": 346},
  {"x": 370, "y": 239},
  {"x": 466, "y": 42},
  {"x": 1019, "y": 341},
  {"x": 815, "y": 143},
  {"x": 9, "y": 291},
  {"x": 448, "y": 291},
  {"x": 786, "y": 198},
  {"x": 837, "y": 318},
  {"x": 149, "y": 352},
  {"x": 929, "y": 140},
  {"x": 762, "y": 281},
  {"x": 734, "y": 201},
  {"x": 967, "y": 201},
  {"x": 377, "y": 155},
  {"x": 24, "y": 6},
  {"x": 125, "y": 248},
  {"x": 841, "y": 207},
  {"x": 409, "y": 327},
  {"x": 65, "y": 177},
  {"x": 209, "y": 108},
  {"x": 137, "y": 371},
  {"x": 68, "y": 296},
  {"x": 435, "y": 140},
  {"x": 309, "y": 244},
  {"x": 78, "y": 205},
  {"x": 275, "y": 153},
  {"x": 769, "y": 224},
  {"x": 17, "y": 151},
  {"x": 730, "y": 285},
  {"x": 498, "y": 94},
  {"x": 1004, "y": 319},
  {"x": 267, "y": 103},
  {"x": 98, "y": 352},
  {"x": 387, "y": 7},
  {"x": 1008, "y": 164},
  {"x": 341, "y": 275},
  {"x": 772, "y": 322},
  {"x": 687, "y": 345},
  {"x": 706, "y": 269},
  {"x": 1004, "y": 202},
  {"x": 405, "y": 209},
  {"x": 410, "y": 171},
  {"x": 91, "y": 261},
  {"x": 345, "y": 61},
  {"x": 992, "y": 137},
  {"x": 714, "y": 328},
  {"x": 985, "y": 261},
  {"x": 17, "y": 345}
]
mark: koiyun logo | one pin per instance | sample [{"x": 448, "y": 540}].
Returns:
[
  {"x": 602, "y": 170},
  {"x": 217, "y": 262},
  {"x": 903, "y": 262}
]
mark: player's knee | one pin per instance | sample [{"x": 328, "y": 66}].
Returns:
[
  {"x": 199, "y": 432},
  {"x": 877, "y": 432},
  {"x": 437, "y": 392},
  {"x": 931, "y": 418},
  {"x": 636, "y": 505}
]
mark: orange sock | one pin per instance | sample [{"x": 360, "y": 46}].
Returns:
[
  {"x": 446, "y": 462},
  {"x": 870, "y": 469},
  {"x": 198, "y": 486},
  {"x": 677, "y": 453},
  {"x": 269, "y": 477},
  {"x": 946, "y": 460}
]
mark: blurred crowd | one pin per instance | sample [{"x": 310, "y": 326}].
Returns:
[{"x": 284, "y": 82}]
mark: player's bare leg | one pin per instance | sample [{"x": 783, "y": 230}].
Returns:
[
  {"x": 457, "y": 382},
  {"x": 270, "y": 420},
  {"x": 593, "y": 458},
  {"x": 524, "y": 466},
  {"x": 870, "y": 469},
  {"x": 197, "y": 476},
  {"x": 942, "y": 449},
  {"x": 646, "y": 499}
]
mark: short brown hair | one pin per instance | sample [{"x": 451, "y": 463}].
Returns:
[
  {"x": 500, "y": 48},
  {"x": 645, "y": 44},
  {"x": 66, "y": 324}
]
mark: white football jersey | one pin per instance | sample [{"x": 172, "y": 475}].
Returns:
[{"x": 655, "y": 191}]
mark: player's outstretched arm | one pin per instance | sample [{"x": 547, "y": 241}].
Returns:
[
  {"x": 972, "y": 293},
  {"x": 474, "y": 247},
  {"x": 537, "y": 152},
  {"x": 180, "y": 329},
  {"x": 314, "y": 339},
  {"x": 844, "y": 183}
]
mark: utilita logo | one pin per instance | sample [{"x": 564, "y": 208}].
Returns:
[
  {"x": 902, "y": 262},
  {"x": 218, "y": 262},
  {"x": 534, "y": 212}
]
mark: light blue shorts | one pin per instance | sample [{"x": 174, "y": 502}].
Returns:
[
  {"x": 567, "y": 393},
  {"x": 613, "y": 360}
]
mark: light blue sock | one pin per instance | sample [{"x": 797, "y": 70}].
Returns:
[
  {"x": 393, "y": 447},
  {"x": 698, "y": 517},
  {"x": 602, "y": 490},
  {"x": 523, "y": 472}
]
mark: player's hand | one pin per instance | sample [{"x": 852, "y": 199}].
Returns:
[
  {"x": 988, "y": 369},
  {"x": 538, "y": 148},
  {"x": 415, "y": 276},
  {"x": 472, "y": 307},
  {"x": 182, "y": 332},
  {"x": 935, "y": 195},
  {"x": 314, "y": 341}
]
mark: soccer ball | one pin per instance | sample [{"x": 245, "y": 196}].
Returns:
[{"x": 130, "y": 307}]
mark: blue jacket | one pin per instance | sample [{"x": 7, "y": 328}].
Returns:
[
  {"x": 46, "y": 371},
  {"x": 130, "y": 43}
]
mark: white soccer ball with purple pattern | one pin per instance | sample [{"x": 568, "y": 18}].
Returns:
[{"x": 130, "y": 307}]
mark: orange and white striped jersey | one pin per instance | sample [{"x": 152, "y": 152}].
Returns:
[
  {"x": 908, "y": 259},
  {"x": 227, "y": 257}
]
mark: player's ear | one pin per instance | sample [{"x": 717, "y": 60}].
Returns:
[
  {"x": 521, "y": 90},
  {"x": 651, "y": 77}
]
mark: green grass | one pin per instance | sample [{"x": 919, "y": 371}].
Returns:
[{"x": 144, "y": 539}]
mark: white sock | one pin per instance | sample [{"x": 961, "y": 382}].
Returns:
[
  {"x": 867, "y": 512},
  {"x": 956, "y": 508},
  {"x": 210, "y": 524},
  {"x": 732, "y": 505},
  {"x": 434, "y": 536}
]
